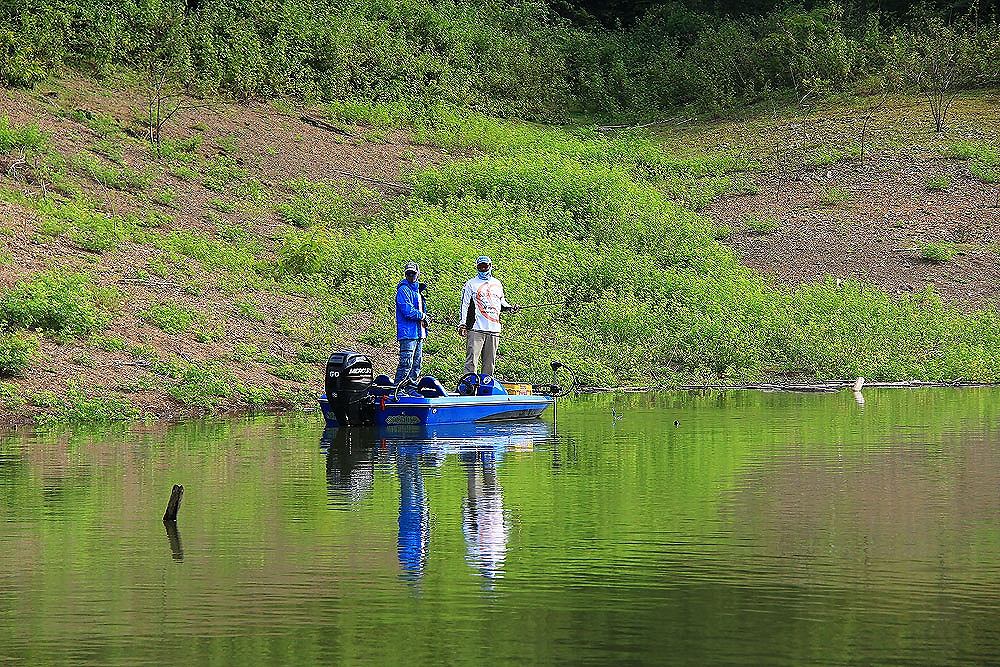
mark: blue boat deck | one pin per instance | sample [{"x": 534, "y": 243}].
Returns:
[{"x": 450, "y": 409}]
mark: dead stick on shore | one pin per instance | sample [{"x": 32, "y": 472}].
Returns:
[
  {"x": 148, "y": 283},
  {"x": 174, "y": 503},
  {"x": 391, "y": 184}
]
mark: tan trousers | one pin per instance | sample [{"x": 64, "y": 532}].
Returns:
[{"x": 480, "y": 343}]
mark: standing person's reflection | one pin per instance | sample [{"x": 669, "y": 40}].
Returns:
[
  {"x": 483, "y": 521},
  {"x": 414, "y": 516}
]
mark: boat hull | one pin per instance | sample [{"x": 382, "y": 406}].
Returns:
[{"x": 417, "y": 411}]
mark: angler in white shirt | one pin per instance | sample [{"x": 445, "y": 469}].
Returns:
[{"x": 482, "y": 302}]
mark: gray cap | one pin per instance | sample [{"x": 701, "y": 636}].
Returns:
[
  {"x": 484, "y": 260},
  {"x": 411, "y": 266}
]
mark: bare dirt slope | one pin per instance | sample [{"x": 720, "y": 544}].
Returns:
[{"x": 818, "y": 210}]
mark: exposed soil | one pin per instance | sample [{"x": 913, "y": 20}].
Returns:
[
  {"x": 876, "y": 232},
  {"x": 867, "y": 220}
]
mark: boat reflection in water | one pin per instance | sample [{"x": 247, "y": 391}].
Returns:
[{"x": 353, "y": 454}]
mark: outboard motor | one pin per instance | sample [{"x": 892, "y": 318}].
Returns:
[{"x": 348, "y": 378}]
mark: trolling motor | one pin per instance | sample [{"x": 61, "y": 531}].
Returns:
[
  {"x": 555, "y": 389},
  {"x": 349, "y": 375}
]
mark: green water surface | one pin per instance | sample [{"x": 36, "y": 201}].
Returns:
[{"x": 725, "y": 528}]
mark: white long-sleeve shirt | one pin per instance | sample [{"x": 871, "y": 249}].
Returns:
[{"x": 487, "y": 299}]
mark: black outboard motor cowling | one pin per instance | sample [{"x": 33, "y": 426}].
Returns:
[{"x": 348, "y": 378}]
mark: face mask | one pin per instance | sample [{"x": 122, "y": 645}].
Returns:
[{"x": 485, "y": 275}]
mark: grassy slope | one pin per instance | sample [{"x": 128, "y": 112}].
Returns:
[{"x": 218, "y": 275}]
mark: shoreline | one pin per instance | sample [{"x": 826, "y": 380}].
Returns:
[{"x": 13, "y": 422}]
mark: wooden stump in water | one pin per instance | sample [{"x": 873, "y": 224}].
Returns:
[
  {"x": 174, "y": 537},
  {"x": 174, "y": 503}
]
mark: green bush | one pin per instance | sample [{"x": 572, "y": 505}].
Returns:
[
  {"x": 323, "y": 203},
  {"x": 170, "y": 317},
  {"x": 10, "y": 396},
  {"x": 57, "y": 302},
  {"x": 76, "y": 407},
  {"x": 27, "y": 137},
  {"x": 305, "y": 253},
  {"x": 202, "y": 385},
  {"x": 16, "y": 352},
  {"x": 834, "y": 195},
  {"x": 519, "y": 58},
  {"x": 937, "y": 183},
  {"x": 940, "y": 251},
  {"x": 761, "y": 224}
]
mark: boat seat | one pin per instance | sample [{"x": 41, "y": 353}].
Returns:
[
  {"x": 430, "y": 387},
  {"x": 381, "y": 385}
]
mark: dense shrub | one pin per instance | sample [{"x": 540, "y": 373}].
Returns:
[
  {"x": 57, "y": 302},
  {"x": 650, "y": 295},
  {"x": 75, "y": 406},
  {"x": 27, "y": 137},
  {"x": 16, "y": 353},
  {"x": 510, "y": 58}
]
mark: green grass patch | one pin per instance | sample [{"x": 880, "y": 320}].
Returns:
[
  {"x": 173, "y": 318},
  {"x": 221, "y": 172},
  {"x": 759, "y": 223},
  {"x": 108, "y": 342},
  {"x": 211, "y": 252},
  {"x": 166, "y": 196},
  {"x": 202, "y": 385},
  {"x": 937, "y": 183},
  {"x": 228, "y": 144},
  {"x": 987, "y": 173},
  {"x": 834, "y": 196},
  {"x": 327, "y": 203},
  {"x": 938, "y": 251},
  {"x": 256, "y": 397},
  {"x": 185, "y": 173},
  {"x": 250, "y": 310},
  {"x": 76, "y": 407},
  {"x": 974, "y": 150},
  {"x": 57, "y": 302},
  {"x": 113, "y": 150},
  {"x": 293, "y": 371},
  {"x": 104, "y": 125},
  {"x": 983, "y": 158},
  {"x": 825, "y": 155},
  {"x": 222, "y": 205},
  {"x": 184, "y": 151},
  {"x": 17, "y": 350},
  {"x": 25, "y": 137},
  {"x": 82, "y": 223},
  {"x": 116, "y": 177}
]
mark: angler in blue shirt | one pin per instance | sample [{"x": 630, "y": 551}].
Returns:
[{"x": 411, "y": 324}]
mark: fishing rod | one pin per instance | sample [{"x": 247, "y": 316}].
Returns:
[{"x": 542, "y": 305}]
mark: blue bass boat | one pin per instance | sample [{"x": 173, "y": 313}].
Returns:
[{"x": 354, "y": 398}]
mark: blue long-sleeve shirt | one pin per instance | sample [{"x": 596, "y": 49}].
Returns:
[{"x": 409, "y": 311}]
